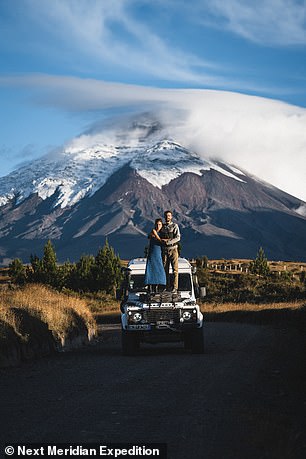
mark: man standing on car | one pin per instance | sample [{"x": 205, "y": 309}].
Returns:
[{"x": 170, "y": 235}]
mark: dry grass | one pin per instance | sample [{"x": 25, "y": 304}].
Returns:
[
  {"x": 106, "y": 310},
  {"x": 250, "y": 307},
  {"x": 285, "y": 313},
  {"x": 275, "y": 266},
  {"x": 60, "y": 312}
]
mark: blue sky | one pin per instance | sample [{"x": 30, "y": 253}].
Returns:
[{"x": 48, "y": 47}]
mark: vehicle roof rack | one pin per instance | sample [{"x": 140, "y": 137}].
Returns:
[{"x": 162, "y": 297}]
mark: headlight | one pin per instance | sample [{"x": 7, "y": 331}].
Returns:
[
  {"x": 135, "y": 316},
  {"x": 186, "y": 315}
]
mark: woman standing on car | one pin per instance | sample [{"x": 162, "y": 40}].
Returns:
[{"x": 155, "y": 273}]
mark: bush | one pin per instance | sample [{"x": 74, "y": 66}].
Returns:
[
  {"x": 17, "y": 272},
  {"x": 260, "y": 264},
  {"x": 250, "y": 287},
  {"x": 89, "y": 274}
]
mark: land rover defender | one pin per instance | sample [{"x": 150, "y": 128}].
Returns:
[{"x": 163, "y": 316}]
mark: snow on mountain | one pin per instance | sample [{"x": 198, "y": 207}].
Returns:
[
  {"x": 167, "y": 160},
  {"x": 75, "y": 173},
  {"x": 122, "y": 178}
]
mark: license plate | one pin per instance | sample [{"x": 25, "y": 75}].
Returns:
[{"x": 140, "y": 327}]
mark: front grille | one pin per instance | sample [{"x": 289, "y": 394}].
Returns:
[{"x": 161, "y": 314}]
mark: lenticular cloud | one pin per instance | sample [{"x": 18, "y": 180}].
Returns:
[{"x": 263, "y": 136}]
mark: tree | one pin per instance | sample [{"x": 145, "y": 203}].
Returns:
[
  {"x": 107, "y": 269},
  {"x": 83, "y": 276},
  {"x": 17, "y": 272},
  {"x": 260, "y": 264},
  {"x": 44, "y": 270},
  {"x": 64, "y": 275},
  {"x": 35, "y": 270},
  {"x": 49, "y": 265},
  {"x": 49, "y": 258}
]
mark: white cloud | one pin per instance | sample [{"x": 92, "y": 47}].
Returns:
[
  {"x": 267, "y": 22},
  {"x": 113, "y": 39},
  {"x": 263, "y": 136},
  {"x": 109, "y": 33}
]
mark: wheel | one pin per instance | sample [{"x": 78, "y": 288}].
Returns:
[
  {"x": 129, "y": 342},
  {"x": 197, "y": 341}
]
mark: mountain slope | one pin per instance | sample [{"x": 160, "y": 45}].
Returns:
[{"x": 78, "y": 198}]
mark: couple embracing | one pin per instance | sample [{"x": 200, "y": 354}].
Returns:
[{"x": 163, "y": 251}]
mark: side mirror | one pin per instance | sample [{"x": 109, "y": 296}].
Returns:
[{"x": 202, "y": 292}]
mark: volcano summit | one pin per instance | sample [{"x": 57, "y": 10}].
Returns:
[{"x": 79, "y": 196}]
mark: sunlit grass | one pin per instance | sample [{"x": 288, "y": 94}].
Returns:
[
  {"x": 60, "y": 312},
  {"x": 251, "y": 307}
]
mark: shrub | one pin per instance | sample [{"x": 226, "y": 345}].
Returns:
[
  {"x": 17, "y": 272},
  {"x": 260, "y": 264}
]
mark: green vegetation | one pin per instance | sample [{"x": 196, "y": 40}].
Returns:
[
  {"x": 253, "y": 281},
  {"x": 260, "y": 264},
  {"x": 89, "y": 274},
  {"x": 251, "y": 288},
  {"x": 17, "y": 272},
  {"x": 256, "y": 284}
]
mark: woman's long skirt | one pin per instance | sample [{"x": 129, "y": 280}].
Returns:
[{"x": 155, "y": 272}]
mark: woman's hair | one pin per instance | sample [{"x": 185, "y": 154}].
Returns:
[{"x": 158, "y": 220}]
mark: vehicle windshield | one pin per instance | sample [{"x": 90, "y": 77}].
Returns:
[{"x": 137, "y": 282}]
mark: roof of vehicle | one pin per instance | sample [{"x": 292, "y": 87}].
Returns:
[{"x": 139, "y": 264}]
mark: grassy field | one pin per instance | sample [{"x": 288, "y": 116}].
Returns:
[{"x": 279, "y": 266}]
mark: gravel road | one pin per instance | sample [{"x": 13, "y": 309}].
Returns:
[{"x": 244, "y": 398}]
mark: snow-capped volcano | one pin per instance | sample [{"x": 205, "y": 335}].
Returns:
[
  {"x": 73, "y": 174},
  {"x": 101, "y": 185}
]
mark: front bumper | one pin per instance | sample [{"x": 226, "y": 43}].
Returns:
[{"x": 163, "y": 319}]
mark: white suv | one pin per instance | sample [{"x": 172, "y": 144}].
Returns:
[{"x": 160, "y": 317}]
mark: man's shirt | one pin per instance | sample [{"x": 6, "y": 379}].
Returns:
[{"x": 171, "y": 232}]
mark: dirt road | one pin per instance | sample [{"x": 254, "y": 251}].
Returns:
[{"x": 244, "y": 398}]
